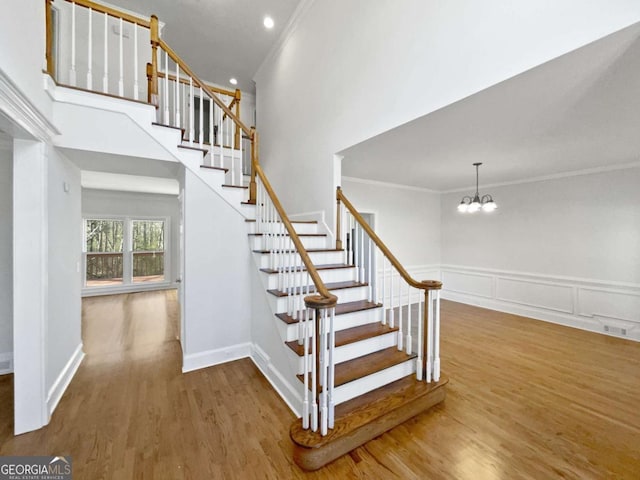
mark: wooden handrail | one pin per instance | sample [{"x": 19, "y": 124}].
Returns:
[
  {"x": 184, "y": 81},
  {"x": 325, "y": 298},
  {"x": 112, "y": 12},
  {"x": 424, "y": 284},
  {"x": 51, "y": 66},
  {"x": 174, "y": 56}
]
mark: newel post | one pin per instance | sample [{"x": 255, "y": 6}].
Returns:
[
  {"x": 49, "y": 33},
  {"x": 237, "y": 96},
  {"x": 338, "y": 221},
  {"x": 254, "y": 164},
  {"x": 152, "y": 73}
]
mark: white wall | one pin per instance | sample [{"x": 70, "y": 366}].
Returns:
[
  {"x": 566, "y": 250},
  {"x": 111, "y": 203},
  {"x": 22, "y": 49},
  {"x": 63, "y": 332},
  {"x": 217, "y": 293},
  {"x": 6, "y": 259},
  {"x": 406, "y": 219},
  {"x": 350, "y": 70}
]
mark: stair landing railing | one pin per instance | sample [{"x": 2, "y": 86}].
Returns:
[
  {"x": 93, "y": 47},
  {"x": 408, "y": 303},
  {"x": 210, "y": 119}
]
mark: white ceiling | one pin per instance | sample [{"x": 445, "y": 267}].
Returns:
[
  {"x": 218, "y": 39},
  {"x": 580, "y": 111}
]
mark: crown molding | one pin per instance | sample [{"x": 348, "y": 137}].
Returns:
[
  {"x": 22, "y": 113},
  {"x": 554, "y": 176},
  {"x": 366, "y": 181},
  {"x": 297, "y": 16}
]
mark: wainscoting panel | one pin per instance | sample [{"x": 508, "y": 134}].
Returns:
[
  {"x": 535, "y": 294},
  {"x": 595, "y": 305}
]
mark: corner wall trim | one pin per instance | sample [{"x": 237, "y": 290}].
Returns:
[
  {"x": 64, "y": 379},
  {"x": 210, "y": 358},
  {"x": 6, "y": 363}
]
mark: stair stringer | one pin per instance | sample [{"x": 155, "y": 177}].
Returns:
[{"x": 72, "y": 107}]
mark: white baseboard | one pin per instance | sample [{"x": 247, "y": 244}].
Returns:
[
  {"x": 608, "y": 308},
  {"x": 64, "y": 379},
  {"x": 6, "y": 363},
  {"x": 135, "y": 288},
  {"x": 279, "y": 383},
  {"x": 209, "y": 358}
]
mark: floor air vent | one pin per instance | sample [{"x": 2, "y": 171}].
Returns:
[{"x": 615, "y": 330}]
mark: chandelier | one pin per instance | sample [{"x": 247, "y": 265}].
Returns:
[{"x": 472, "y": 205}]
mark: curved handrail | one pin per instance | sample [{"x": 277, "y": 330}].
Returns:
[
  {"x": 423, "y": 285},
  {"x": 325, "y": 298}
]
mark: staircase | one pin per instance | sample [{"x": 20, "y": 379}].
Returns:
[{"x": 360, "y": 335}]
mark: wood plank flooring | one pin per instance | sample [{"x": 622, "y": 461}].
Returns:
[{"x": 526, "y": 400}]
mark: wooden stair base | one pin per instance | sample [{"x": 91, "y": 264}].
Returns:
[{"x": 365, "y": 418}]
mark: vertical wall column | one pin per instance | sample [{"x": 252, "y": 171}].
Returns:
[{"x": 30, "y": 283}]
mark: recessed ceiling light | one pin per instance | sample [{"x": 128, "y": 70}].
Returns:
[
  {"x": 233, "y": 81},
  {"x": 268, "y": 22}
]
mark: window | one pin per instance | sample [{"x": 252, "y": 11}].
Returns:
[
  {"x": 104, "y": 246},
  {"x": 148, "y": 251},
  {"x": 125, "y": 251}
]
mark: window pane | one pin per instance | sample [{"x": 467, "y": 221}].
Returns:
[
  {"x": 104, "y": 252},
  {"x": 148, "y": 251}
]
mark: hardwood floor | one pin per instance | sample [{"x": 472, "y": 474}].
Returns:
[{"x": 526, "y": 400}]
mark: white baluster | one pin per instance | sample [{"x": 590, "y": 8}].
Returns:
[
  {"x": 72, "y": 71},
  {"x": 436, "y": 337},
  {"x": 370, "y": 280},
  {"x": 233, "y": 161},
  {"x": 391, "y": 313},
  {"x": 362, "y": 276},
  {"x": 136, "y": 85},
  {"x": 177, "y": 99},
  {"x": 305, "y": 402},
  {"x": 121, "y": 80},
  {"x": 400, "y": 330},
  {"x": 221, "y": 136},
  {"x": 419, "y": 372},
  {"x": 314, "y": 373},
  {"x": 429, "y": 346},
  {"x": 384, "y": 282},
  {"x": 191, "y": 132},
  {"x": 409, "y": 339},
  {"x": 201, "y": 120},
  {"x": 90, "y": 54},
  {"x": 105, "y": 77},
  {"x": 167, "y": 120},
  {"x": 324, "y": 417},
  {"x": 332, "y": 367},
  {"x": 211, "y": 122},
  {"x": 241, "y": 160}
]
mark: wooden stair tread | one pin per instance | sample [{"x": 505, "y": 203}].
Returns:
[
  {"x": 327, "y": 266},
  {"x": 351, "y": 335},
  {"x": 309, "y": 250},
  {"x": 225, "y": 170},
  {"x": 341, "y": 309},
  {"x": 248, "y": 220},
  {"x": 286, "y": 235},
  {"x": 367, "y": 364},
  {"x": 197, "y": 149},
  {"x": 168, "y": 126},
  {"x": 367, "y": 408},
  {"x": 235, "y": 186},
  {"x": 312, "y": 288}
]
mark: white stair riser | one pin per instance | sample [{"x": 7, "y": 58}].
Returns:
[
  {"x": 260, "y": 242},
  {"x": 237, "y": 195},
  {"x": 280, "y": 304},
  {"x": 213, "y": 176},
  {"x": 356, "y": 349},
  {"x": 347, "y": 320},
  {"x": 327, "y": 276},
  {"x": 277, "y": 227},
  {"x": 358, "y": 387},
  {"x": 316, "y": 257}
]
